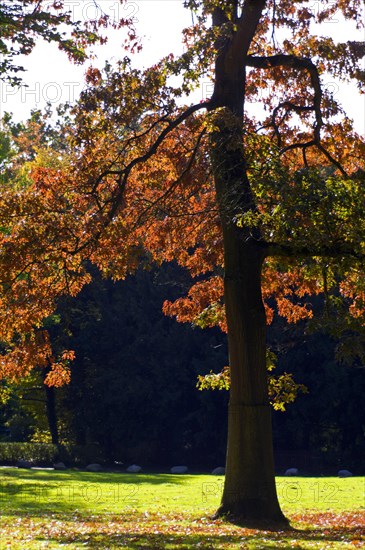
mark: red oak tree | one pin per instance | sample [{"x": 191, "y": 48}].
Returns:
[{"x": 255, "y": 207}]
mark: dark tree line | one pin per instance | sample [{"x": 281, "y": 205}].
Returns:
[{"x": 133, "y": 395}]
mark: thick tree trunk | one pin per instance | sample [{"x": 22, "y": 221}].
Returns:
[{"x": 249, "y": 494}]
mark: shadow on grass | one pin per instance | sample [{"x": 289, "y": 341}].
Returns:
[
  {"x": 246, "y": 539},
  {"x": 92, "y": 477}
]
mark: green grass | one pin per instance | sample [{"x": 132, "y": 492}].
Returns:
[{"x": 74, "y": 510}]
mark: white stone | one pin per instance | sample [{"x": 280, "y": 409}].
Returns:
[
  {"x": 292, "y": 472},
  {"x": 220, "y": 471},
  {"x": 134, "y": 469},
  {"x": 179, "y": 469},
  {"x": 94, "y": 468},
  {"x": 345, "y": 473},
  {"x": 24, "y": 464},
  {"x": 59, "y": 466}
]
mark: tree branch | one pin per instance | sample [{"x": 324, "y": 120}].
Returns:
[
  {"x": 289, "y": 107},
  {"x": 292, "y": 61},
  {"x": 175, "y": 183},
  {"x": 122, "y": 175}
]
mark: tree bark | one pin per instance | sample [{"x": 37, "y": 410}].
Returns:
[{"x": 249, "y": 493}]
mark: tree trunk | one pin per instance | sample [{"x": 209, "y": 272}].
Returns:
[
  {"x": 249, "y": 494},
  {"x": 51, "y": 410}
]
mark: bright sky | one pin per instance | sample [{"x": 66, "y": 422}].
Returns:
[{"x": 50, "y": 76}]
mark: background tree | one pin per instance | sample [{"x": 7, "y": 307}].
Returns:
[
  {"x": 272, "y": 202},
  {"x": 126, "y": 352}
]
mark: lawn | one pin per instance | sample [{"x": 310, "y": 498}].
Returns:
[{"x": 74, "y": 510}]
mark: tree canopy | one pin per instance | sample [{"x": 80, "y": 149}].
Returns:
[{"x": 255, "y": 207}]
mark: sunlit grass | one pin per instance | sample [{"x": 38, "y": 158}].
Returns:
[{"x": 73, "y": 509}]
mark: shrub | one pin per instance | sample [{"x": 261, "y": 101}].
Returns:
[{"x": 37, "y": 453}]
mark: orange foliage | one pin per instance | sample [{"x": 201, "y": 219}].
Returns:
[{"x": 134, "y": 179}]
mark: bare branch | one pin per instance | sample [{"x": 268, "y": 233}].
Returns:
[
  {"x": 331, "y": 159},
  {"x": 292, "y": 61},
  {"x": 298, "y": 146},
  {"x": 289, "y": 107},
  {"x": 282, "y": 60}
]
